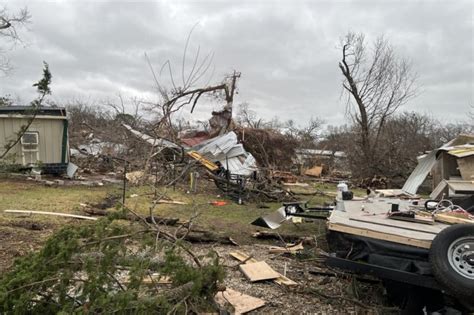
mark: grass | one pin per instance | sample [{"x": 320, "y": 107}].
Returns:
[
  {"x": 231, "y": 219},
  {"x": 22, "y": 195}
]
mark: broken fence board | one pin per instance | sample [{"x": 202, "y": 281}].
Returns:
[
  {"x": 242, "y": 303},
  {"x": 75, "y": 216},
  {"x": 172, "y": 202},
  {"x": 290, "y": 249},
  {"x": 243, "y": 257},
  {"x": 258, "y": 271}
]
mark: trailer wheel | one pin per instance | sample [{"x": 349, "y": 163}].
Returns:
[{"x": 452, "y": 259}]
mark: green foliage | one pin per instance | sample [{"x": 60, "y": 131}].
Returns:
[
  {"x": 43, "y": 89},
  {"x": 42, "y": 86},
  {"x": 100, "y": 267}
]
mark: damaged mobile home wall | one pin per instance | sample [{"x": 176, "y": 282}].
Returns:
[{"x": 452, "y": 161}]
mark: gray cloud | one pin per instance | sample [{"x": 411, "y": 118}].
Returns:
[{"x": 286, "y": 50}]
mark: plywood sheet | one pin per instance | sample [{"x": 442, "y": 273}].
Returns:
[
  {"x": 314, "y": 171},
  {"x": 258, "y": 271},
  {"x": 466, "y": 167},
  {"x": 375, "y": 212},
  {"x": 450, "y": 219},
  {"x": 243, "y": 257},
  {"x": 242, "y": 303},
  {"x": 368, "y": 218}
]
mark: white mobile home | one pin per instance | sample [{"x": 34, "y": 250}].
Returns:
[{"x": 45, "y": 143}]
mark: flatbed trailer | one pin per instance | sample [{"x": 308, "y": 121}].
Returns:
[{"x": 416, "y": 261}]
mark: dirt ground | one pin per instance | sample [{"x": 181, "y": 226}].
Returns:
[
  {"x": 313, "y": 294},
  {"x": 324, "y": 293}
]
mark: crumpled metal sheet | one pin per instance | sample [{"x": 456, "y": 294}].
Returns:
[
  {"x": 156, "y": 142},
  {"x": 229, "y": 153}
]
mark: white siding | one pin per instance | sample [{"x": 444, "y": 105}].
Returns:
[{"x": 50, "y": 137}]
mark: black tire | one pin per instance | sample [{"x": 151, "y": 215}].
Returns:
[{"x": 458, "y": 285}]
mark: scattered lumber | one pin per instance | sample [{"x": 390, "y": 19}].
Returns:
[
  {"x": 314, "y": 171},
  {"x": 130, "y": 217},
  {"x": 242, "y": 303},
  {"x": 258, "y": 271},
  {"x": 30, "y": 212},
  {"x": 244, "y": 258},
  {"x": 151, "y": 279},
  {"x": 451, "y": 219},
  {"x": 292, "y": 249},
  {"x": 172, "y": 202},
  {"x": 296, "y": 184}
]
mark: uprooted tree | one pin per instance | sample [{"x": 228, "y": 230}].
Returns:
[
  {"x": 377, "y": 82},
  {"x": 110, "y": 267}
]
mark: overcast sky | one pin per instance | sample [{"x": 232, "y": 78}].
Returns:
[{"x": 286, "y": 50}]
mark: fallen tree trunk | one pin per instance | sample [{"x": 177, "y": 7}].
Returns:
[
  {"x": 205, "y": 237},
  {"x": 266, "y": 235}
]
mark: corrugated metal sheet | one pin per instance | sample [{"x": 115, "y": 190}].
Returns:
[
  {"x": 236, "y": 166},
  {"x": 459, "y": 145},
  {"x": 156, "y": 142},
  {"x": 320, "y": 152},
  {"x": 229, "y": 153},
  {"x": 419, "y": 174},
  {"x": 218, "y": 146}
]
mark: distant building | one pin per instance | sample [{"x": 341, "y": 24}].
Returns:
[{"x": 44, "y": 144}]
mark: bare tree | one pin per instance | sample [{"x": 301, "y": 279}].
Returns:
[
  {"x": 9, "y": 25},
  {"x": 377, "y": 83},
  {"x": 189, "y": 88}
]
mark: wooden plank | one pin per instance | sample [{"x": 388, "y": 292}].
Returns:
[
  {"x": 290, "y": 249},
  {"x": 243, "y": 257},
  {"x": 30, "y": 212},
  {"x": 173, "y": 202},
  {"x": 446, "y": 218},
  {"x": 339, "y": 217},
  {"x": 284, "y": 280},
  {"x": 466, "y": 167},
  {"x": 376, "y": 211},
  {"x": 392, "y": 225},
  {"x": 201, "y": 159},
  {"x": 258, "y": 271},
  {"x": 242, "y": 303},
  {"x": 314, "y": 171},
  {"x": 379, "y": 235}
]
